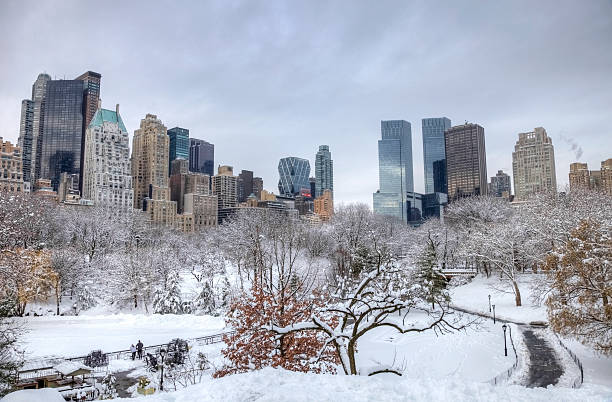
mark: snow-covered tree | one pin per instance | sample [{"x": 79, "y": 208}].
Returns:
[
  {"x": 580, "y": 303},
  {"x": 168, "y": 300},
  {"x": 10, "y": 355},
  {"x": 428, "y": 273}
]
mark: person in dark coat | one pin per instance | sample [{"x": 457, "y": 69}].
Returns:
[{"x": 139, "y": 347}]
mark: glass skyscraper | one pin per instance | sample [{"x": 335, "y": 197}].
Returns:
[
  {"x": 62, "y": 140},
  {"x": 201, "y": 157},
  {"x": 294, "y": 173},
  {"x": 179, "y": 144},
  {"x": 394, "y": 169},
  {"x": 433, "y": 147},
  {"x": 324, "y": 171}
]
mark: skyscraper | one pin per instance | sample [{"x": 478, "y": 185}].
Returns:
[
  {"x": 294, "y": 173},
  {"x": 201, "y": 156},
  {"x": 324, "y": 172},
  {"x": 150, "y": 161},
  {"x": 466, "y": 161},
  {"x": 500, "y": 185},
  {"x": 394, "y": 169},
  {"x": 579, "y": 176},
  {"x": 107, "y": 171},
  {"x": 62, "y": 139},
  {"x": 433, "y": 147},
  {"x": 245, "y": 185},
  {"x": 179, "y": 144},
  {"x": 91, "y": 95},
  {"x": 25, "y": 136},
  {"x": 439, "y": 177},
  {"x": 533, "y": 164},
  {"x": 225, "y": 187},
  {"x": 257, "y": 187},
  {"x": 324, "y": 205}
]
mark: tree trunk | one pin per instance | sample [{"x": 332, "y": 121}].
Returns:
[
  {"x": 351, "y": 355},
  {"x": 517, "y": 294}
]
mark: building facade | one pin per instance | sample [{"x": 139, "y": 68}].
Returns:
[
  {"x": 533, "y": 164},
  {"x": 466, "y": 161},
  {"x": 62, "y": 139},
  {"x": 107, "y": 170},
  {"x": 24, "y": 142},
  {"x": 394, "y": 169},
  {"x": 257, "y": 187},
  {"x": 11, "y": 171},
  {"x": 245, "y": 185},
  {"x": 149, "y": 159},
  {"x": 183, "y": 182},
  {"x": 500, "y": 185},
  {"x": 324, "y": 172},
  {"x": 294, "y": 173},
  {"x": 439, "y": 177},
  {"x": 91, "y": 96},
  {"x": 324, "y": 205},
  {"x": 579, "y": 176},
  {"x": 225, "y": 187},
  {"x": 606, "y": 176},
  {"x": 433, "y": 147},
  {"x": 179, "y": 144},
  {"x": 201, "y": 156}
]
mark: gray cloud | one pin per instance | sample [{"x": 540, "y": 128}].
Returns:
[{"x": 263, "y": 80}]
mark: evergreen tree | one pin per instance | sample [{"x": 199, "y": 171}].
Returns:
[
  {"x": 168, "y": 300},
  {"x": 428, "y": 275}
]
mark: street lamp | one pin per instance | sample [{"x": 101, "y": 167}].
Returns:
[
  {"x": 162, "y": 353},
  {"x": 489, "y": 303},
  {"x": 505, "y": 346},
  {"x": 494, "y": 314}
]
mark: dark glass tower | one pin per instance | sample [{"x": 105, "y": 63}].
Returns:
[
  {"x": 245, "y": 185},
  {"x": 433, "y": 147},
  {"x": 91, "y": 95},
  {"x": 179, "y": 144},
  {"x": 324, "y": 171},
  {"x": 466, "y": 161},
  {"x": 62, "y": 138},
  {"x": 201, "y": 157},
  {"x": 294, "y": 173},
  {"x": 439, "y": 177}
]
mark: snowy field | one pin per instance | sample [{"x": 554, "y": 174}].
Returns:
[
  {"x": 474, "y": 296},
  {"x": 280, "y": 385},
  {"x": 79, "y": 335}
]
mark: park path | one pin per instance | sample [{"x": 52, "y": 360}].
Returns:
[
  {"x": 544, "y": 366},
  {"x": 123, "y": 382}
]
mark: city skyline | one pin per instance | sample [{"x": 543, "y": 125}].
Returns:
[{"x": 238, "y": 109}]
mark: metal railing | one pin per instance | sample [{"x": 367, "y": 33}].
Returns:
[
  {"x": 40, "y": 372},
  {"x": 505, "y": 376},
  {"x": 577, "y": 383}
]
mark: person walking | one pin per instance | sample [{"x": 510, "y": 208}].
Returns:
[
  {"x": 133, "y": 350},
  {"x": 139, "y": 347}
]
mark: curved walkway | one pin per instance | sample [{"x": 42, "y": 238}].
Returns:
[{"x": 544, "y": 367}]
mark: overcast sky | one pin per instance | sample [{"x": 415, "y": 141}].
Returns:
[{"x": 264, "y": 80}]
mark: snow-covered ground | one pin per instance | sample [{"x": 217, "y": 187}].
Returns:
[
  {"x": 280, "y": 385},
  {"x": 79, "y": 335},
  {"x": 476, "y": 353},
  {"x": 474, "y": 296}
]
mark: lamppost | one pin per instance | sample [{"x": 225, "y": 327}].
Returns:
[
  {"x": 162, "y": 353},
  {"x": 505, "y": 346},
  {"x": 489, "y": 303},
  {"x": 494, "y": 314}
]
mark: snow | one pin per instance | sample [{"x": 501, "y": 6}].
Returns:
[
  {"x": 34, "y": 395},
  {"x": 280, "y": 385},
  {"x": 79, "y": 335},
  {"x": 474, "y": 297},
  {"x": 68, "y": 367},
  {"x": 476, "y": 354}
]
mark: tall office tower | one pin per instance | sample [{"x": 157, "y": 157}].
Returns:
[
  {"x": 183, "y": 182},
  {"x": 25, "y": 136},
  {"x": 225, "y": 187},
  {"x": 11, "y": 173},
  {"x": 107, "y": 171},
  {"x": 439, "y": 176},
  {"x": 324, "y": 172},
  {"x": 324, "y": 205},
  {"x": 150, "y": 160},
  {"x": 62, "y": 139},
  {"x": 606, "y": 176},
  {"x": 201, "y": 156},
  {"x": 91, "y": 95},
  {"x": 257, "y": 187},
  {"x": 30, "y": 128},
  {"x": 433, "y": 147},
  {"x": 179, "y": 144},
  {"x": 294, "y": 173},
  {"x": 313, "y": 186},
  {"x": 533, "y": 164},
  {"x": 579, "y": 176},
  {"x": 466, "y": 161},
  {"x": 394, "y": 169},
  {"x": 245, "y": 185},
  {"x": 500, "y": 185}
]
